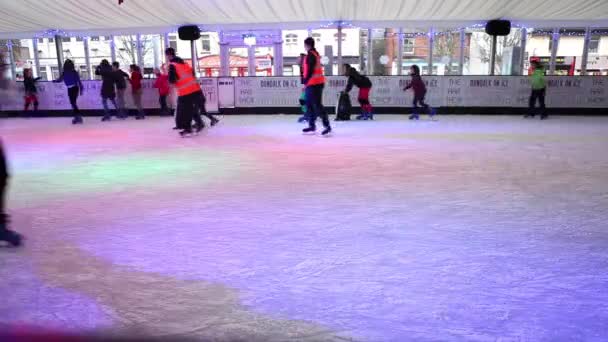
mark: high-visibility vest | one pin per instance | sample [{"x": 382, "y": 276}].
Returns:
[
  {"x": 186, "y": 83},
  {"x": 317, "y": 74}
]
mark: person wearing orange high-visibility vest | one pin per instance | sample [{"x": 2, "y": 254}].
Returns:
[
  {"x": 314, "y": 81},
  {"x": 189, "y": 94}
]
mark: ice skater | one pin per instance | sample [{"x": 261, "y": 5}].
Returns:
[
  {"x": 29, "y": 83},
  {"x": 203, "y": 111},
  {"x": 302, "y": 100},
  {"x": 120, "y": 78},
  {"x": 190, "y": 95},
  {"x": 539, "y": 90},
  {"x": 5, "y": 234},
  {"x": 108, "y": 92},
  {"x": 365, "y": 86},
  {"x": 419, "y": 93},
  {"x": 315, "y": 82},
  {"x": 162, "y": 84},
  {"x": 71, "y": 79},
  {"x": 136, "y": 90}
]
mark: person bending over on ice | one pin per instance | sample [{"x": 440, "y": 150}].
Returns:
[
  {"x": 419, "y": 92},
  {"x": 190, "y": 95},
  {"x": 315, "y": 82},
  {"x": 365, "y": 85}
]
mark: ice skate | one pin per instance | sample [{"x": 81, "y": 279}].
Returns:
[
  {"x": 8, "y": 235},
  {"x": 326, "y": 131},
  {"x": 414, "y": 117},
  {"x": 302, "y": 119},
  {"x": 140, "y": 117},
  {"x": 199, "y": 128},
  {"x": 77, "y": 120},
  {"x": 214, "y": 122},
  {"x": 544, "y": 117},
  {"x": 360, "y": 117},
  {"x": 106, "y": 118},
  {"x": 185, "y": 133},
  {"x": 309, "y": 130}
]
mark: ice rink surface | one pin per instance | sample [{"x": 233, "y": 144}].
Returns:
[{"x": 469, "y": 228}]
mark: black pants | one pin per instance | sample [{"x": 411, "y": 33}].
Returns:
[
  {"x": 188, "y": 109},
  {"x": 419, "y": 99},
  {"x": 537, "y": 94},
  {"x": 73, "y": 96},
  {"x": 204, "y": 109},
  {"x": 314, "y": 102},
  {"x": 162, "y": 99},
  {"x": 3, "y": 182}
]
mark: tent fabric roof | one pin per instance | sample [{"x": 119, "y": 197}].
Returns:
[{"x": 32, "y": 17}]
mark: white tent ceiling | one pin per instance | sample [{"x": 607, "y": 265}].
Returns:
[{"x": 23, "y": 18}]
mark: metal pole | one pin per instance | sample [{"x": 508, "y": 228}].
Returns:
[
  {"x": 493, "y": 55},
  {"x": 585, "y": 57},
  {"x": 370, "y": 57},
  {"x": 400, "y": 53},
  {"x": 59, "y": 49},
  {"x": 36, "y": 58},
  {"x": 522, "y": 58},
  {"x": 194, "y": 57},
  {"x": 11, "y": 58},
  {"x": 339, "y": 48},
  {"x": 155, "y": 46},
  {"x": 278, "y": 58},
  {"x": 167, "y": 44},
  {"x": 463, "y": 41},
  {"x": 555, "y": 39},
  {"x": 251, "y": 58},
  {"x": 430, "y": 56},
  {"x": 87, "y": 58},
  {"x": 112, "y": 49}
]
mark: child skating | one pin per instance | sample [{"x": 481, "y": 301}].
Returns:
[
  {"x": 71, "y": 79},
  {"x": 539, "y": 90},
  {"x": 419, "y": 93},
  {"x": 29, "y": 83},
  {"x": 365, "y": 86}
]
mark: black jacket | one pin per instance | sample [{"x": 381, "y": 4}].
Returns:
[
  {"x": 30, "y": 84},
  {"x": 355, "y": 78},
  {"x": 120, "y": 77},
  {"x": 107, "y": 80}
]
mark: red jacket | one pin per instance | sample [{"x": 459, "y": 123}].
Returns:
[
  {"x": 162, "y": 83},
  {"x": 135, "y": 81}
]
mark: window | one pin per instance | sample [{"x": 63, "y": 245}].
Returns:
[
  {"x": 51, "y": 40},
  {"x": 205, "y": 43},
  {"x": 40, "y": 40},
  {"x": 408, "y": 46},
  {"x": 173, "y": 42},
  {"x": 54, "y": 72},
  {"x": 95, "y": 38},
  {"x": 79, "y": 39},
  {"x": 594, "y": 44},
  {"x": 83, "y": 72},
  {"x": 343, "y": 36},
  {"x": 107, "y": 37},
  {"x": 66, "y": 39},
  {"x": 317, "y": 37},
  {"x": 291, "y": 39}
]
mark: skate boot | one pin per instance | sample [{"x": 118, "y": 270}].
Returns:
[
  {"x": 370, "y": 116},
  {"x": 77, "y": 120},
  {"x": 432, "y": 112},
  {"x": 544, "y": 116},
  {"x": 326, "y": 131},
  {"x": 214, "y": 121},
  {"x": 302, "y": 119},
  {"x": 360, "y": 117},
  {"x": 140, "y": 117},
  {"x": 185, "y": 133},
  {"x": 414, "y": 117},
  {"x": 309, "y": 130},
  {"x": 7, "y": 235},
  {"x": 106, "y": 118},
  {"x": 199, "y": 128}
]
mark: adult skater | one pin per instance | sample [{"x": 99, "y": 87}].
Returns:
[
  {"x": 120, "y": 78},
  {"x": 5, "y": 234},
  {"x": 419, "y": 93},
  {"x": 29, "y": 83},
  {"x": 108, "y": 92},
  {"x": 539, "y": 90},
  {"x": 365, "y": 85},
  {"x": 314, "y": 82},
  {"x": 190, "y": 95},
  {"x": 203, "y": 112},
  {"x": 71, "y": 79}
]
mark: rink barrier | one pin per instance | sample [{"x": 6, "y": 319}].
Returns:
[{"x": 275, "y": 95}]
